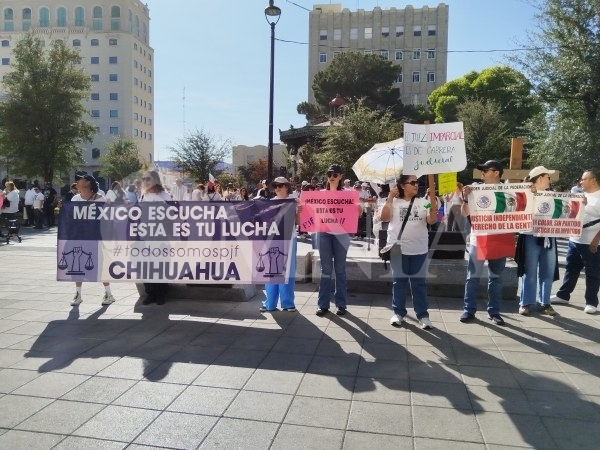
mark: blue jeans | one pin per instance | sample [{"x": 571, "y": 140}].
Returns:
[
  {"x": 578, "y": 257},
  {"x": 540, "y": 263},
  {"x": 409, "y": 269},
  {"x": 333, "y": 249},
  {"x": 474, "y": 275},
  {"x": 283, "y": 291}
]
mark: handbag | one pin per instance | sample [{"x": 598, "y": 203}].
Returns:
[{"x": 384, "y": 250}]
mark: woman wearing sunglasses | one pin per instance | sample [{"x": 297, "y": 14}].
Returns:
[
  {"x": 408, "y": 236},
  {"x": 333, "y": 249}
]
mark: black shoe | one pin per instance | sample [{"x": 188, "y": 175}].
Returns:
[
  {"x": 160, "y": 300},
  {"x": 467, "y": 317},
  {"x": 497, "y": 319},
  {"x": 341, "y": 311},
  {"x": 149, "y": 299},
  {"x": 322, "y": 311}
]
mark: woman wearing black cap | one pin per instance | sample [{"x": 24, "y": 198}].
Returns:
[{"x": 333, "y": 249}]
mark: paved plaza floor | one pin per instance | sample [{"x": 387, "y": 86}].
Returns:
[{"x": 220, "y": 374}]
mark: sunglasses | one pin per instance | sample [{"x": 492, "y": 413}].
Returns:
[
  {"x": 487, "y": 170},
  {"x": 277, "y": 186},
  {"x": 412, "y": 183},
  {"x": 332, "y": 175},
  {"x": 147, "y": 179}
]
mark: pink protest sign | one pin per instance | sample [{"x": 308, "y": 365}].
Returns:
[{"x": 329, "y": 211}]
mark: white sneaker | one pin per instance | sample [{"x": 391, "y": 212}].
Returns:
[
  {"x": 76, "y": 299},
  {"x": 558, "y": 301},
  {"x": 426, "y": 323},
  {"x": 108, "y": 299},
  {"x": 589, "y": 309},
  {"x": 396, "y": 320}
]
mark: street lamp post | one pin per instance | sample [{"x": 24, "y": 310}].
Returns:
[{"x": 272, "y": 14}]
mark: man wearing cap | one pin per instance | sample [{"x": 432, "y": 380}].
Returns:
[
  {"x": 491, "y": 173},
  {"x": 582, "y": 252},
  {"x": 347, "y": 186}
]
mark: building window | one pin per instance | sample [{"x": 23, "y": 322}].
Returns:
[
  {"x": 135, "y": 99},
  {"x": 115, "y": 18},
  {"x": 353, "y": 33},
  {"x": 61, "y": 17},
  {"x": 95, "y": 113},
  {"x": 135, "y": 64},
  {"x": 399, "y": 31},
  {"x": 135, "y": 116},
  {"x": 6, "y": 61},
  {"x": 431, "y": 77},
  {"x": 399, "y": 55},
  {"x": 26, "y": 15},
  {"x": 431, "y": 30},
  {"x": 322, "y": 57},
  {"x": 95, "y": 96},
  {"x": 95, "y": 153},
  {"x": 95, "y": 77},
  {"x": 368, "y": 33},
  {"x": 323, "y": 35},
  {"x": 114, "y": 131},
  {"x": 44, "y": 17},
  {"x": 76, "y": 43},
  {"x": 5, "y": 43},
  {"x": 431, "y": 53},
  {"x": 415, "y": 99},
  {"x": 417, "y": 30},
  {"x": 95, "y": 60},
  {"x": 136, "y": 81},
  {"x": 416, "y": 53},
  {"x": 112, "y": 60},
  {"x": 337, "y": 34},
  {"x": 95, "y": 43},
  {"x": 112, "y": 42},
  {"x": 79, "y": 16},
  {"x": 367, "y": 52},
  {"x": 336, "y": 53},
  {"x": 9, "y": 24},
  {"x": 149, "y": 73},
  {"x": 113, "y": 77},
  {"x": 114, "y": 96},
  {"x": 385, "y": 54},
  {"x": 97, "y": 18},
  {"x": 416, "y": 77},
  {"x": 385, "y": 31},
  {"x": 399, "y": 78},
  {"x": 114, "y": 113}
]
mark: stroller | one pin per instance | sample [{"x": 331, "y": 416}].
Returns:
[{"x": 13, "y": 227}]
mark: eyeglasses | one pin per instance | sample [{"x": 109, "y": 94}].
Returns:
[
  {"x": 412, "y": 182},
  {"x": 277, "y": 186},
  {"x": 332, "y": 175},
  {"x": 147, "y": 179}
]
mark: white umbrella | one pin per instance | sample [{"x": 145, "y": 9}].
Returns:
[{"x": 382, "y": 164}]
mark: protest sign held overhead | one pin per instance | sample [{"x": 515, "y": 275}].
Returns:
[{"x": 329, "y": 211}]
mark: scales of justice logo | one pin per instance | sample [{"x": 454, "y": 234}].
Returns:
[
  {"x": 74, "y": 260},
  {"x": 276, "y": 261}
]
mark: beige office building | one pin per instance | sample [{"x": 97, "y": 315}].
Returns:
[
  {"x": 414, "y": 38},
  {"x": 113, "y": 38}
]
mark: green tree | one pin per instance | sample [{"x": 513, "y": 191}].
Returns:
[
  {"x": 42, "y": 115},
  {"x": 198, "y": 153},
  {"x": 122, "y": 159}
]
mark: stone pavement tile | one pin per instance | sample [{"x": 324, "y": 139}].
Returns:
[
  {"x": 567, "y": 405},
  {"x": 445, "y": 423},
  {"x": 581, "y": 363},
  {"x": 8, "y": 339},
  {"x": 329, "y": 347},
  {"x": 11, "y": 379},
  {"x": 441, "y": 444},
  {"x": 295, "y": 437},
  {"x": 318, "y": 412},
  {"x": 355, "y": 440},
  {"x": 380, "y": 350},
  {"x": 25, "y": 440},
  {"x": 176, "y": 430},
  {"x": 177, "y": 372},
  {"x": 340, "y": 335},
  {"x": 16, "y": 408},
  {"x": 515, "y": 430},
  {"x": 541, "y": 380},
  {"x": 382, "y": 390},
  {"x": 85, "y": 364},
  {"x": 257, "y": 340},
  {"x": 130, "y": 368},
  {"x": 202, "y": 356},
  {"x": 286, "y": 362},
  {"x": 61, "y": 417},
  {"x": 499, "y": 399},
  {"x": 436, "y": 338},
  {"x": 444, "y": 395},
  {"x": 237, "y": 433},
  {"x": 531, "y": 361},
  {"x": 384, "y": 368},
  {"x": 277, "y": 381},
  {"x": 224, "y": 376},
  {"x": 511, "y": 344},
  {"x": 488, "y": 376},
  {"x": 10, "y": 323},
  {"x": 99, "y": 390},
  {"x": 266, "y": 406},
  {"x": 471, "y": 356},
  {"x": 440, "y": 355},
  {"x": 117, "y": 423},
  {"x": 78, "y": 443},
  {"x": 155, "y": 350},
  {"x": 380, "y": 418},
  {"x": 432, "y": 371},
  {"x": 575, "y": 434},
  {"x": 306, "y": 330},
  {"x": 4, "y": 310},
  {"x": 325, "y": 386},
  {"x": 213, "y": 340},
  {"x": 241, "y": 358},
  {"x": 51, "y": 384},
  {"x": 150, "y": 395},
  {"x": 585, "y": 384},
  {"x": 288, "y": 344},
  {"x": 203, "y": 400},
  {"x": 335, "y": 365}
]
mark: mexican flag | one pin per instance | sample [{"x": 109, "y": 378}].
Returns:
[
  {"x": 510, "y": 202},
  {"x": 565, "y": 209}
]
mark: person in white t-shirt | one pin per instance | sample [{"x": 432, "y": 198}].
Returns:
[
  {"x": 178, "y": 191},
  {"x": 38, "y": 208}
]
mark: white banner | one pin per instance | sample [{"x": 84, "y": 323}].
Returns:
[{"x": 558, "y": 214}]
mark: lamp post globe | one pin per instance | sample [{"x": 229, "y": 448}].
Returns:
[{"x": 272, "y": 15}]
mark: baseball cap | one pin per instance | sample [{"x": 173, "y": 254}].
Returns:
[
  {"x": 537, "y": 171},
  {"x": 491, "y": 164}
]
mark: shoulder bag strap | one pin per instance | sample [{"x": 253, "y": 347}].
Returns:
[
  {"x": 591, "y": 223},
  {"x": 412, "y": 200}
]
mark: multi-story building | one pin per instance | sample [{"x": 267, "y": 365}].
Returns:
[
  {"x": 414, "y": 38},
  {"x": 113, "y": 39}
]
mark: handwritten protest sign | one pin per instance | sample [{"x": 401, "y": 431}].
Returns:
[
  {"x": 176, "y": 242},
  {"x": 501, "y": 208},
  {"x": 447, "y": 183},
  {"x": 558, "y": 214},
  {"x": 434, "y": 148},
  {"x": 329, "y": 211}
]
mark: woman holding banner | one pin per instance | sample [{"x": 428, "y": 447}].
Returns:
[
  {"x": 408, "y": 218},
  {"x": 537, "y": 257}
]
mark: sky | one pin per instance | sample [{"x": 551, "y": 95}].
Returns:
[{"x": 212, "y": 60}]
